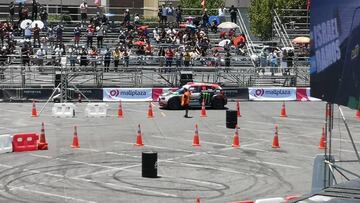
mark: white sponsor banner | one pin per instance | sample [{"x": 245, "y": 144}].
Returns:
[
  {"x": 272, "y": 93},
  {"x": 127, "y": 94}
]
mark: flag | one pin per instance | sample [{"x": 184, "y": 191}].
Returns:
[
  {"x": 308, "y": 5},
  {"x": 203, "y": 3}
]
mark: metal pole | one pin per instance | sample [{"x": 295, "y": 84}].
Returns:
[
  {"x": 326, "y": 139},
  {"x": 349, "y": 133}
]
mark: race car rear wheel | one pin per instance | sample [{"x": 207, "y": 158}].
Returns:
[{"x": 174, "y": 103}]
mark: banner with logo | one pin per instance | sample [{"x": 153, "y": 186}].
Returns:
[
  {"x": 272, "y": 93},
  {"x": 127, "y": 94}
]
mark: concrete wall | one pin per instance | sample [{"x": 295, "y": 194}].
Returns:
[{"x": 151, "y": 8}]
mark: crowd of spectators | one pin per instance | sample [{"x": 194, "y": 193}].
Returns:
[{"x": 174, "y": 42}]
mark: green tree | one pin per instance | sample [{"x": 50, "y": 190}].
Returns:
[{"x": 260, "y": 14}]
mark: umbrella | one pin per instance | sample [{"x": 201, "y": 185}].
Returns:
[
  {"x": 301, "y": 40},
  {"x": 214, "y": 18},
  {"x": 25, "y": 23},
  {"x": 110, "y": 14},
  {"x": 223, "y": 42},
  {"x": 139, "y": 43},
  {"x": 228, "y": 25},
  {"x": 39, "y": 23},
  {"x": 189, "y": 17}
]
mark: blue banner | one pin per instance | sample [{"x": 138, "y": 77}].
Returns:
[{"x": 335, "y": 60}]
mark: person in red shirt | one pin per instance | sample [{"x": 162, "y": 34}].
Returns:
[
  {"x": 36, "y": 34},
  {"x": 169, "y": 54},
  {"x": 90, "y": 35}
]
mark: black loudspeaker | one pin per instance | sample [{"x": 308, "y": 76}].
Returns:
[
  {"x": 231, "y": 118},
  {"x": 149, "y": 165}
]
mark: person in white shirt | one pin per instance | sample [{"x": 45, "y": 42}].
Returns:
[
  {"x": 58, "y": 52},
  {"x": 100, "y": 36},
  {"x": 40, "y": 55},
  {"x": 137, "y": 19},
  {"x": 156, "y": 34},
  {"x": 27, "y": 31},
  {"x": 83, "y": 11},
  {"x": 221, "y": 14}
]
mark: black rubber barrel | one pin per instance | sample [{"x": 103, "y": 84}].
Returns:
[
  {"x": 149, "y": 164},
  {"x": 231, "y": 118}
]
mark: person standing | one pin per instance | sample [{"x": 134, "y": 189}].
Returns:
[
  {"x": 36, "y": 34},
  {"x": 185, "y": 100},
  {"x": 83, "y": 11},
  {"x": 12, "y": 11},
  {"x": 34, "y": 13},
  {"x": 100, "y": 36},
  {"x": 44, "y": 17},
  {"x": 59, "y": 34},
  {"x": 89, "y": 36},
  {"x": 233, "y": 14},
  {"x": 169, "y": 54},
  {"x": 116, "y": 57},
  {"x": 107, "y": 59},
  {"x": 221, "y": 14},
  {"x": 178, "y": 15},
  {"x": 77, "y": 35},
  {"x": 205, "y": 19}
]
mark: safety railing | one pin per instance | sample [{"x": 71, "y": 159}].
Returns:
[
  {"x": 249, "y": 44},
  {"x": 281, "y": 31}
]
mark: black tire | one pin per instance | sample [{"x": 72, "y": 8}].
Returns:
[
  {"x": 174, "y": 103},
  {"x": 218, "y": 103}
]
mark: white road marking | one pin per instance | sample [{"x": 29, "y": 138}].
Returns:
[
  {"x": 53, "y": 195},
  {"x": 260, "y": 162},
  {"x": 157, "y": 147},
  {"x": 214, "y": 168},
  {"x": 142, "y": 190},
  {"x": 41, "y": 156}
]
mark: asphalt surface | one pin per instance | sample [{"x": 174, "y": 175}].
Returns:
[{"x": 107, "y": 166}]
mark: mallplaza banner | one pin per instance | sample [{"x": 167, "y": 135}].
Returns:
[
  {"x": 127, "y": 94},
  {"x": 272, "y": 93}
]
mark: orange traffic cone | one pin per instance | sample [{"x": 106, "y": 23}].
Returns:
[
  {"x": 33, "y": 111},
  {"x": 236, "y": 140},
  {"x": 196, "y": 139},
  {"x": 322, "y": 140},
  {"x": 203, "y": 110},
  {"x": 357, "y": 115},
  {"x": 283, "y": 110},
  {"x": 275, "y": 143},
  {"x": 79, "y": 98},
  {"x": 150, "y": 111},
  {"x": 42, "y": 145},
  {"x": 139, "y": 138},
  {"x": 120, "y": 111},
  {"x": 198, "y": 200},
  {"x": 75, "y": 143},
  {"x": 238, "y": 109}
]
